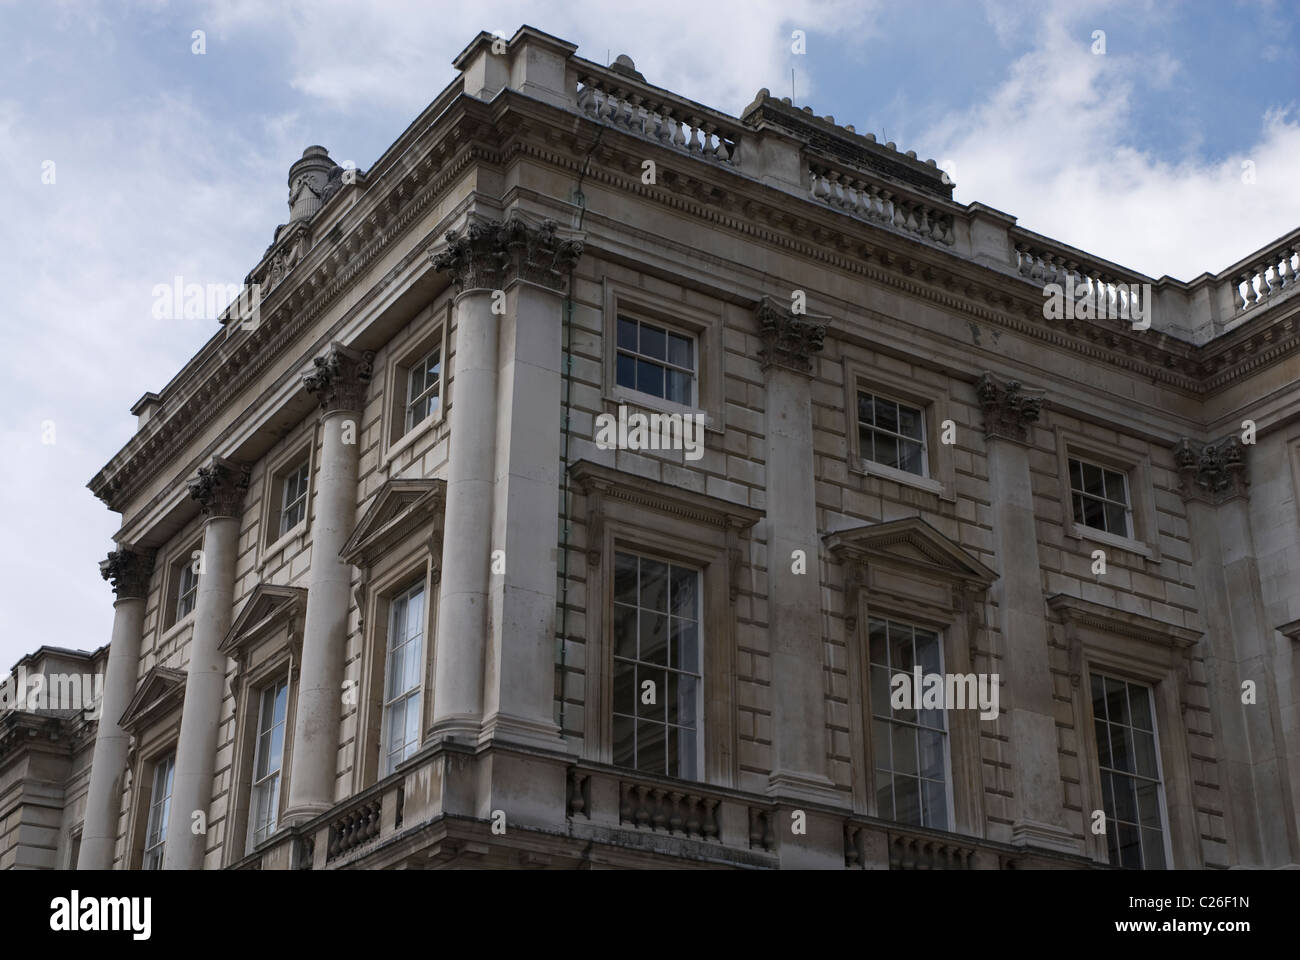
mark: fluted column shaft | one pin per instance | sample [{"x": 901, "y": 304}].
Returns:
[
  {"x": 220, "y": 489},
  {"x": 129, "y": 571}
]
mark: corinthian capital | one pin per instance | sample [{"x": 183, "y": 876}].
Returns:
[
  {"x": 789, "y": 340},
  {"x": 340, "y": 378},
  {"x": 1211, "y": 472},
  {"x": 220, "y": 487},
  {"x": 1008, "y": 411},
  {"x": 491, "y": 253},
  {"x": 129, "y": 570}
]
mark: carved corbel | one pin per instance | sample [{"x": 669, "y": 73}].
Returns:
[
  {"x": 359, "y": 595},
  {"x": 1075, "y": 647},
  {"x": 735, "y": 560}
]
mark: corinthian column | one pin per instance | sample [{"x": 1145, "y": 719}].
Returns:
[
  {"x": 1238, "y": 646},
  {"x": 339, "y": 381},
  {"x": 1009, "y": 416},
  {"x": 794, "y": 599},
  {"x": 220, "y": 489},
  {"x": 129, "y": 570}
]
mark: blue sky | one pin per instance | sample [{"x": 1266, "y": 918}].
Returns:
[{"x": 170, "y": 163}]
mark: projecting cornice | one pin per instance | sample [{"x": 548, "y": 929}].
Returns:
[{"x": 311, "y": 266}]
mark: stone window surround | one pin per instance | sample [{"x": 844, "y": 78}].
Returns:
[
  {"x": 167, "y": 627},
  {"x": 1136, "y": 467},
  {"x": 429, "y": 329},
  {"x": 389, "y": 576},
  {"x": 263, "y": 652},
  {"x": 963, "y": 756},
  {"x": 1153, "y": 653},
  {"x": 270, "y": 543},
  {"x": 705, "y": 326},
  {"x": 152, "y": 740},
  {"x": 631, "y": 514},
  {"x": 935, "y": 404}
]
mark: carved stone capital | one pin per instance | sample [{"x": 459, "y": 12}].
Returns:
[
  {"x": 130, "y": 571},
  {"x": 491, "y": 253},
  {"x": 789, "y": 340},
  {"x": 1211, "y": 472},
  {"x": 220, "y": 487},
  {"x": 1008, "y": 411},
  {"x": 341, "y": 377}
]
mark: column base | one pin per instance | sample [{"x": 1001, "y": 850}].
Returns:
[
  {"x": 303, "y": 813},
  {"x": 540, "y": 734},
  {"x": 1045, "y": 836},
  {"x": 808, "y": 787}
]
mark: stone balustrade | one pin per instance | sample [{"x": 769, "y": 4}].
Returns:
[
  {"x": 1265, "y": 277},
  {"x": 658, "y": 115},
  {"x": 1118, "y": 292},
  {"x": 873, "y": 200}
]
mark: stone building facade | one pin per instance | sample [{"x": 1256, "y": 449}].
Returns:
[{"x": 385, "y": 599}]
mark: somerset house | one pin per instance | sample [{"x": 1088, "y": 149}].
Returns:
[{"x": 601, "y": 480}]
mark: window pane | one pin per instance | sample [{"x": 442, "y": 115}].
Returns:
[
  {"x": 624, "y": 688},
  {"x": 1116, "y": 701},
  {"x": 685, "y": 653},
  {"x": 884, "y": 795},
  {"x": 626, "y": 334},
  {"x": 684, "y": 589},
  {"x": 1078, "y": 509},
  {"x": 907, "y": 800},
  {"x": 865, "y": 408},
  {"x": 1103, "y": 743},
  {"x": 880, "y": 743},
  {"x": 880, "y": 691},
  {"x": 412, "y": 724},
  {"x": 886, "y": 450},
  {"x": 886, "y": 415},
  {"x": 1098, "y": 696},
  {"x": 1092, "y": 480},
  {"x": 1144, "y": 753},
  {"x": 653, "y": 647},
  {"x": 1094, "y": 515},
  {"x": 684, "y": 757},
  {"x": 1116, "y": 519},
  {"x": 1076, "y": 475},
  {"x": 904, "y": 749},
  {"x": 681, "y": 351},
  {"x": 1130, "y": 848},
  {"x": 654, "y": 585},
  {"x": 624, "y": 578},
  {"x": 1115, "y": 486},
  {"x": 626, "y": 375},
  {"x": 650, "y": 378},
  {"x": 650, "y": 753},
  {"x": 1153, "y": 849},
  {"x": 1148, "y": 797},
  {"x": 876, "y": 635},
  {"x": 1125, "y": 798},
  {"x": 909, "y": 457},
  {"x": 624, "y": 631},
  {"x": 931, "y": 745},
  {"x": 655, "y": 695},
  {"x": 624, "y": 741},
  {"x": 909, "y": 422},
  {"x": 679, "y": 387},
  {"x": 900, "y": 648},
  {"x": 935, "y": 797},
  {"x": 1139, "y": 699},
  {"x": 927, "y": 651},
  {"x": 1121, "y": 748},
  {"x": 654, "y": 342},
  {"x": 681, "y": 700}
]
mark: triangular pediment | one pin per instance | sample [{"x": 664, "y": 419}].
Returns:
[
  {"x": 268, "y": 608},
  {"x": 911, "y": 543},
  {"x": 399, "y": 508},
  {"x": 161, "y": 689}
]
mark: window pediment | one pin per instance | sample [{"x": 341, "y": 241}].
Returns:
[
  {"x": 399, "y": 509},
  {"x": 161, "y": 690},
  {"x": 911, "y": 543},
  {"x": 268, "y": 609}
]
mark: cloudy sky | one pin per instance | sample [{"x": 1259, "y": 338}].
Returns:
[{"x": 129, "y": 159}]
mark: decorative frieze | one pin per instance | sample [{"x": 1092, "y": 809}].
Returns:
[
  {"x": 491, "y": 253},
  {"x": 220, "y": 487},
  {"x": 130, "y": 571},
  {"x": 789, "y": 339},
  {"x": 1211, "y": 472},
  {"x": 1009, "y": 412},
  {"x": 341, "y": 377}
]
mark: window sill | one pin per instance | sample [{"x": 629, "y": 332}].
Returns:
[
  {"x": 872, "y": 469},
  {"x": 1081, "y": 532},
  {"x": 647, "y": 401},
  {"x": 409, "y": 438},
  {"x": 271, "y": 550},
  {"x": 177, "y": 627}
]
